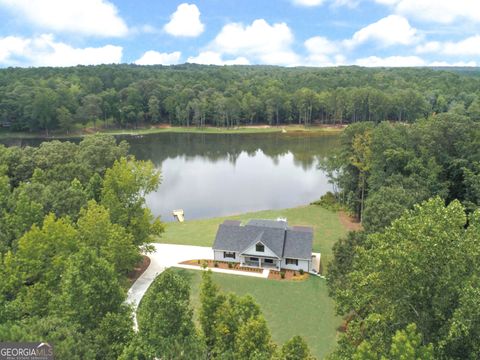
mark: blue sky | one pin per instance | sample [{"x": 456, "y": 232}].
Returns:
[{"x": 275, "y": 32}]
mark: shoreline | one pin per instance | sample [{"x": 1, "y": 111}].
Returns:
[{"x": 260, "y": 129}]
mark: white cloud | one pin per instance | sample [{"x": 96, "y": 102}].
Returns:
[
  {"x": 429, "y": 47},
  {"x": 323, "y": 52},
  {"x": 391, "y": 61},
  {"x": 387, "y": 2},
  {"x": 11, "y": 45},
  {"x": 468, "y": 46},
  {"x": 43, "y": 50},
  {"x": 308, "y": 2},
  {"x": 185, "y": 21},
  {"x": 265, "y": 43},
  {"x": 437, "y": 11},
  {"x": 86, "y": 17},
  {"x": 391, "y": 30},
  {"x": 320, "y": 44},
  {"x": 215, "y": 58},
  {"x": 348, "y": 3},
  {"x": 152, "y": 57}
]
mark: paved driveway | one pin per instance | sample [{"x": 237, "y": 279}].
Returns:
[
  {"x": 164, "y": 256},
  {"x": 168, "y": 255}
]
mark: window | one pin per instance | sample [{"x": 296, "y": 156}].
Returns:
[
  {"x": 291, "y": 262},
  {"x": 259, "y": 247},
  {"x": 253, "y": 259},
  {"x": 227, "y": 254},
  {"x": 268, "y": 261}
]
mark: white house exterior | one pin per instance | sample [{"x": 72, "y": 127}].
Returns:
[{"x": 265, "y": 244}]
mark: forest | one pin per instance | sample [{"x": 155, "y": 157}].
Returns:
[
  {"x": 73, "y": 225},
  {"x": 128, "y": 96},
  {"x": 74, "y": 222},
  {"x": 409, "y": 282}
]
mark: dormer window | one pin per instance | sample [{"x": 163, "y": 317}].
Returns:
[{"x": 259, "y": 247}]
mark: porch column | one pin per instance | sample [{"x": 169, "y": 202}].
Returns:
[{"x": 259, "y": 262}]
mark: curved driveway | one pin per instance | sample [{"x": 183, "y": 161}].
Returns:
[
  {"x": 164, "y": 256},
  {"x": 168, "y": 255}
]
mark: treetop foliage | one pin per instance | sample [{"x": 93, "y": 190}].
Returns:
[{"x": 128, "y": 95}]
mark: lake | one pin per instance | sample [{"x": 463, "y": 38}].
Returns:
[{"x": 209, "y": 175}]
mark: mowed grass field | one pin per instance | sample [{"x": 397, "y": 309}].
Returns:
[
  {"x": 290, "y": 307},
  {"x": 327, "y": 228}
]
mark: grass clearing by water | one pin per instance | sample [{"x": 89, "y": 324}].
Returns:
[
  {"x": 326, "y": 224},
  {"x": 79, "y": 132}
]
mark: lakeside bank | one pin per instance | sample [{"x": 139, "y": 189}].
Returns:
[{"x": 316, "y": 130}]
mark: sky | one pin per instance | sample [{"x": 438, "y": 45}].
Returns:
[{"x": 222, "y": 32}]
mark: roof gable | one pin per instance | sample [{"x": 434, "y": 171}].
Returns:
[{"x": 251, "y": 250}]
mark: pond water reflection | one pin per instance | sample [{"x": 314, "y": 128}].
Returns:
[{"x": 211, "y": 175}]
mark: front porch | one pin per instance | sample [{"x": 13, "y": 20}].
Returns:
[{"x": 260, "y": 262}]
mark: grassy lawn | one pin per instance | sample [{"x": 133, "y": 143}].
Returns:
[
  {"x": 326, "y": 224},
  {"x": 290, "y": 307}
]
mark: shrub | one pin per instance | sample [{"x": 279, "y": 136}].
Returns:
[
  {"x": 328, "y": 201},
  {"x": 198, "y": 262},
  {"x": 230, "y": 265},
  {"x": 282, "y": 274},
  {"x": 294, "y": 273},
  {"x": 301, "y": 271},
  {"x": 215, "y": 264}
]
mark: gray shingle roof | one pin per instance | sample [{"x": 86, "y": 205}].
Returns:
[
  {"x": 268, "y": 223},
  {"x": 232, "y": 222},
  {"x": 284, "y": 241},
  {"x": 298, "y": 244}
]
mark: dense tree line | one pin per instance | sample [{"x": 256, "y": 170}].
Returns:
[
  {"x": 410, "y": 280},
  {"x": 381, "y": 170},
  {"x": 72, "y": 223},
  {"x": 44, "y": 99}
]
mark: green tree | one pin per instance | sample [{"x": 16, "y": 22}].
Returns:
[
  {"x": 154, "y": 109},
  {"x": 474, "y": 110},
  {"x": 124, "y": 188},
  {"x": 43, "y": 108},
  {"x": 109, "y": 241},
  {"x": 91, "y": 109},
  {"x": 414, "y": 272},
  {"x": 295, "y": 349},
  {"x": 406, "y": 344},
  {"x": 165, "y": 319},
  {"x": 89, "y": 290},
  {"x": 210, "y": 300},
  {"x": 361, "y": 159},
  {"x": 253, "y": 341},
  {"x": 233, "y": 312},
  {"x": 385, "y": 205},
  {"x": 99, "y": 152},
  {"x": 114, "y": 331},
  {"x": 65, "y": 119}
]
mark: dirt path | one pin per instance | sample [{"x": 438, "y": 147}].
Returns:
[{"x": 349, "y": 223}]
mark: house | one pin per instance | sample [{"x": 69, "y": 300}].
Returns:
[{"x": 265, "y": 243}]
